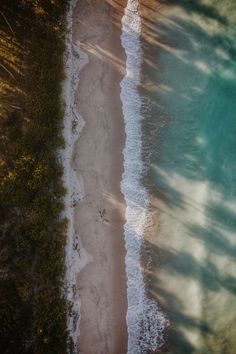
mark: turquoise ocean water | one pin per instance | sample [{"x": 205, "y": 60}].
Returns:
[{"x": 189, "y": 151}]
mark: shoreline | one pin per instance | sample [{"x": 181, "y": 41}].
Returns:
[
  {"x": 152, "y": 43},
  {"x": 97, "y": 158},
  {"x": 145, "y": 321}
]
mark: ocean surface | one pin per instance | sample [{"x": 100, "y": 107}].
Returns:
[{"x": 179, "y": 181}]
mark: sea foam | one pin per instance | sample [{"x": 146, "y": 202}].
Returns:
[{"x": 144, "y": 320}]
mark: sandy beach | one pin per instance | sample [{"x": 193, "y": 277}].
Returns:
[{"x": 97, "y": 159}]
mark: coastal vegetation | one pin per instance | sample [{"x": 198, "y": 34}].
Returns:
[{"x": 33, "y": 234}]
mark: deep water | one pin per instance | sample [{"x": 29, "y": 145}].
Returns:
[{"x": 189, "y": 148}]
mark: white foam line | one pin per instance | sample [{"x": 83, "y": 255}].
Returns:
[
  {"x": 76, "y": 256},
  {"x": 144, "y": 321}
]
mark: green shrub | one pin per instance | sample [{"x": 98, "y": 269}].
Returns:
[{"x": 33, "y": 236}]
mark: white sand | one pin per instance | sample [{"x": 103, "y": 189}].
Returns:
[{"x": 95, "y": 277}]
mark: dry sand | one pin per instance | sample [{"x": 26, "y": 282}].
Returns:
[{"x": 98, "y": 159}]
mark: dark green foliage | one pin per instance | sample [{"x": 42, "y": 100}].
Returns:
[{"x": 33, "y": 236}]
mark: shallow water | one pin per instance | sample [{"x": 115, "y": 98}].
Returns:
[{"x": 189, "y": 95}]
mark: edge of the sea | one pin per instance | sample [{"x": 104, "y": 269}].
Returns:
[{"x": 146, "y": 323}]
